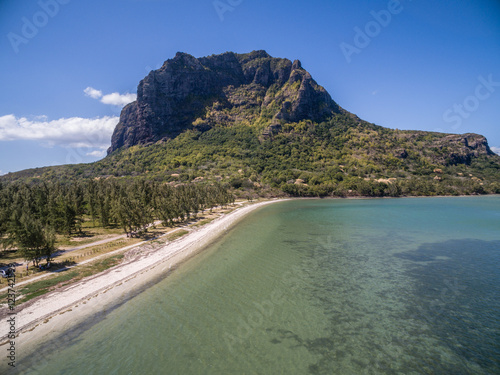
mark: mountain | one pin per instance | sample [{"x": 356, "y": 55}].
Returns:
[
  {"x": 190, "y": 93},
  {"x": 265, "y": 127}
]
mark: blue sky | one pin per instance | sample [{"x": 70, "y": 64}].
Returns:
[{"x": 68, "y": 66}]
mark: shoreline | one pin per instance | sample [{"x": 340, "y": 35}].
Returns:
[
  {"x": 57, "y": 316},
  {"x": 365, "y": 197},
  {"x": 63, "y": 309}
]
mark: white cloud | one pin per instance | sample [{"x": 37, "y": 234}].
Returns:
[
  {"x": 118, "y": 99},
  {"x": 496, "y": 150},
  {"x": 93, "y": 93},
  {"x": 68, "y": 132},
  {"x": 96, "y": 153},
  {"x": 41, "y": 118},
  {"x": 114, "y": 98}
]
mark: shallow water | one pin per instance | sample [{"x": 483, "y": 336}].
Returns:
[{"x": 383, "y": 286}]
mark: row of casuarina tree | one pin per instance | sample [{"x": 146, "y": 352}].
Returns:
[{"x": 32, "y": 214}]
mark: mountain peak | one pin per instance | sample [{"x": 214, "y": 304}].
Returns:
[
  {"x": 296, "y": 65},
  {"x": 220, "y": 90}
]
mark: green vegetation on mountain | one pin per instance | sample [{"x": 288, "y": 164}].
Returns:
[{"x": 339, "y": 157}]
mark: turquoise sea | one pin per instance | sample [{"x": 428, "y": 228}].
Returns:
[{"x": 379, "y": 286}]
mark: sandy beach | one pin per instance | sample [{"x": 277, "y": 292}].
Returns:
[{"x": 58, "y": 311}]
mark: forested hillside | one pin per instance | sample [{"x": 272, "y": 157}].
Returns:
[{"x": 339, "y": 157}]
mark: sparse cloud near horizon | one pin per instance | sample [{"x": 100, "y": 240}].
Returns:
[
  {"x": 496, "y": 150},
  {"x": 97, "y": 153},
  {"x": 114, "y": 98},
  {"x": 68, "y": 132},
  {"x": 93, "y": 93}
]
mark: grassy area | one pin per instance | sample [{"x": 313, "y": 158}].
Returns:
[
  {"x": 8, "y": 256},
  {"x": 93, "y": 234},
  {"x": 72, "y": 257},
  {"x": 41, "y": 287},
  {"x": 92, "y": 251},
  {"x": 68, "y": 276},
  {"x": 176, "y": 235},
  {"x": 89, "y": 233},
  {"x": 203, "y": 222}
]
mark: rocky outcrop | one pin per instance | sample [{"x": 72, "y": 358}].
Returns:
[
  {"x": 220, "y": 90},
  {"x": 462, "y": 148}
]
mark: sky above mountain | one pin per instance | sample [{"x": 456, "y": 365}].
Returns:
[{"x": 67, "y": 67}]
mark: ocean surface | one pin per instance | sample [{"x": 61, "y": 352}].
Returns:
[{"x": 379, "y": 286}]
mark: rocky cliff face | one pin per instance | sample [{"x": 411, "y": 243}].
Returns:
[
  {"x": 447, "y": 149},
  {"x": 221, "y": 90},
  {"x": 462, "y": 148}
]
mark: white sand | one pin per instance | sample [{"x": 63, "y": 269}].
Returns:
[{"x": 59, "y": 310}]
